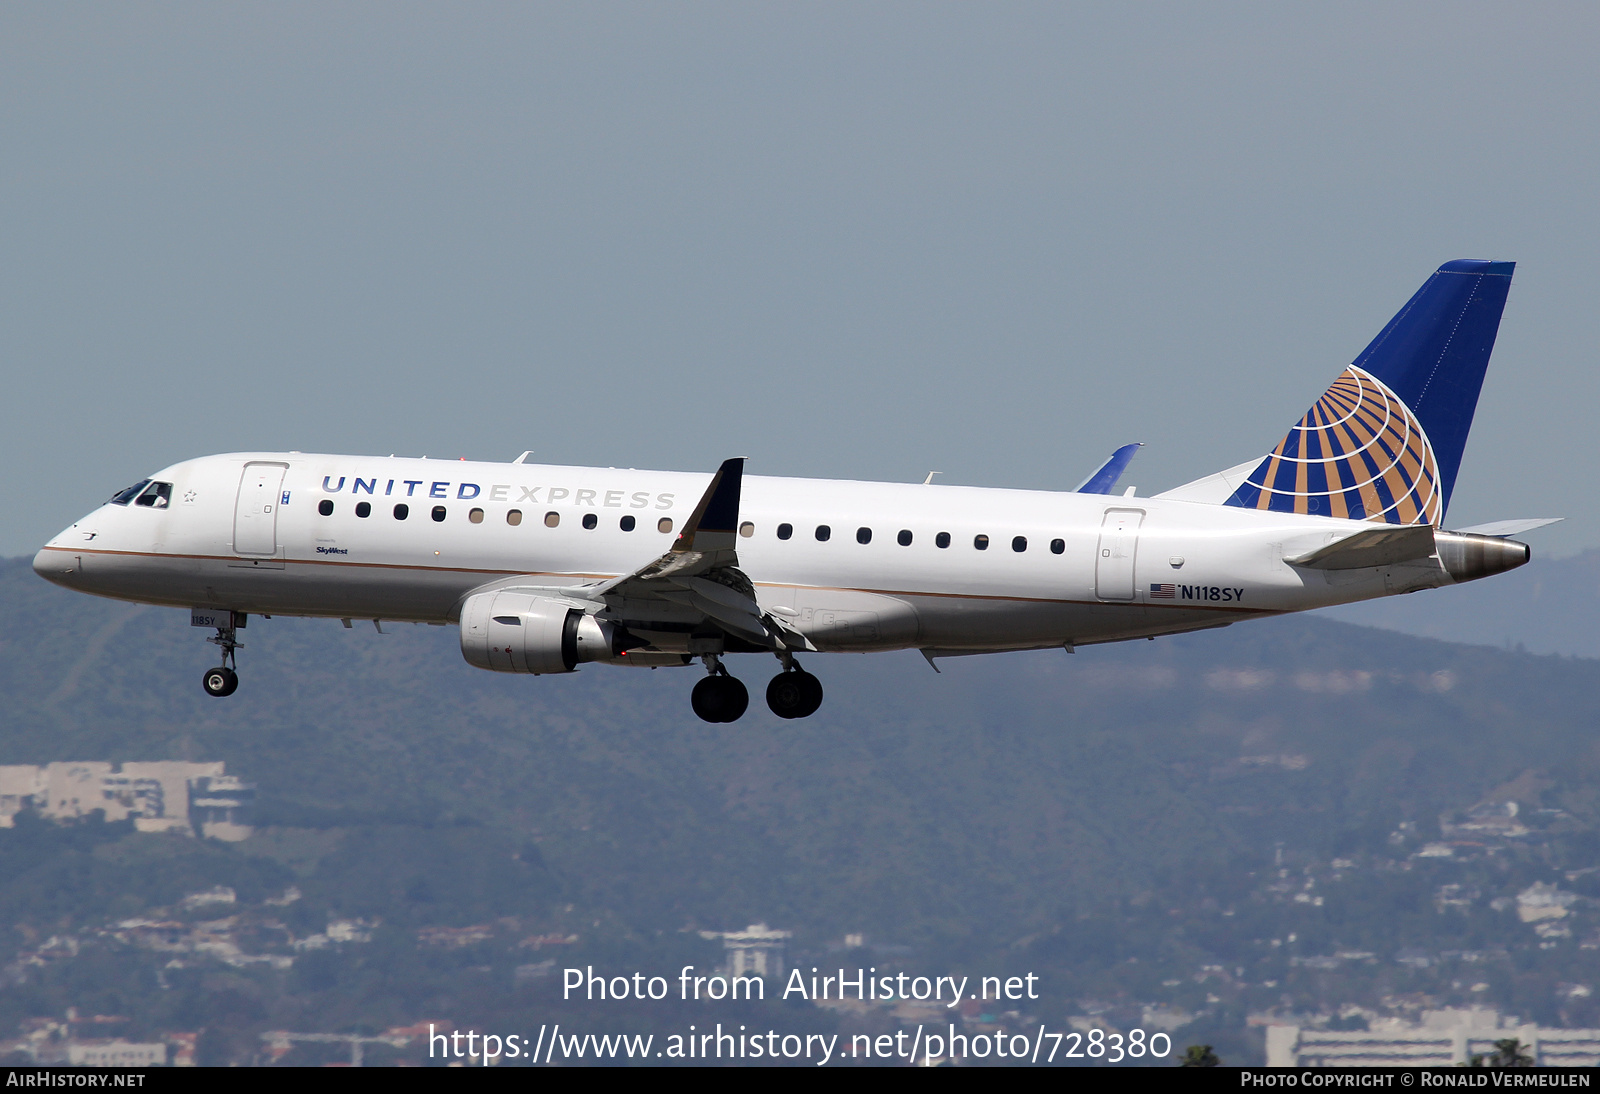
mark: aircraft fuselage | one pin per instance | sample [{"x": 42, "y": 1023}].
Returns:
[{"x": 863, "y": 566}]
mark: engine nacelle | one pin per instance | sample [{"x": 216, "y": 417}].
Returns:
[{"x": 522, "y": 632}]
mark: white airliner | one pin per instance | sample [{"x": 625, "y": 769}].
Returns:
[{"x": 547, "y": 567}]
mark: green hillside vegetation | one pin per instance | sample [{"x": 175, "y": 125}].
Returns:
[{"x": 1116, "y": 816}]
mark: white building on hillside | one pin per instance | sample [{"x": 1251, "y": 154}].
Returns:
[
  {"x": 757, "y": 949},
  {"x": 1443, "y": 1038},
  {"x": 161, "y": 796}
]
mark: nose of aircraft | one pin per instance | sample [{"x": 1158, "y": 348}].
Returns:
[{"x": 56, "y": 561}]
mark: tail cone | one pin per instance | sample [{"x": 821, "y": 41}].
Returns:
[{"x": 1468, "y": 557}]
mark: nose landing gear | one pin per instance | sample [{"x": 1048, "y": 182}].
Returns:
[
  {"x": 719, "y": 697},
  {"x": 224, "y": 679}
]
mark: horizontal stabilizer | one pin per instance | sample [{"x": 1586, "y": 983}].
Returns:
[
  {"x": 1380, "y": 547},
  {"x": 1500, "y": 529},
  {"x": 1104, "y": 479}
]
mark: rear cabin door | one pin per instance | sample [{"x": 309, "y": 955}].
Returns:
[
  {"x": 255, "y": 515},
  {"x": 1113, "y": 564}
]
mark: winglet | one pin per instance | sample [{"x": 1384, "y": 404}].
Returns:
[
  {"x": 1104, "y": 479},
  {"x": 717, "y": 515}
]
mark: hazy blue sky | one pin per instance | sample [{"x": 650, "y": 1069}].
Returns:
[{"x": 844, "y": 240}]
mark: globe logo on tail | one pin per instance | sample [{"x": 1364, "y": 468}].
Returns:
[{"x": 1359, "y": 453}]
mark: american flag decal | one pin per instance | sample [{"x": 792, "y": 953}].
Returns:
[{"x": 1163, "y": 592}]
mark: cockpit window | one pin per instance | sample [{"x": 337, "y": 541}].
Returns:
[
  {"x": 158, "y": 495},
  {"x": 123, "y": 497}
]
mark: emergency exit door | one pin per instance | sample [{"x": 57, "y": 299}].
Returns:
[
  {"x": 255, "y": 515},
  {"x": 1119, "y": 543}
]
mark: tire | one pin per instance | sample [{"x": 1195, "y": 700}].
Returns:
[
  {"x": 720, "y": 699},
  {"x": 736, "y": 697},
  {"x": 787, "y": 695},
  {"x": 813, "y": 694},
  {"x": 219, "y": 682}
]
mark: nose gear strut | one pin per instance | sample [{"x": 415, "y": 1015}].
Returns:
[{"x": 224, "y": 679}]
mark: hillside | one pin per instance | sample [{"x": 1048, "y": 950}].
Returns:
[
  {"x": 1547, "y": 606},
  {"x": 1007, "y": 798}
]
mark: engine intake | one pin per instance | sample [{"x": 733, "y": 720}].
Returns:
[{"x": 523, "y": 632}]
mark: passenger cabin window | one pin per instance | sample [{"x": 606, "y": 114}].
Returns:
[
  {"x": 627, "y": 523},
  {"x": 158, "y": 495},
  {"x": 325, "y": 507},
  {"x": 904, "y": 538},
  {"x": 942, "y": 540},
  {"x": 664, "y": 524},
  {"x": 363, "y": 509},
  {"x": 514, "y": 517},
  {"x": 438, "y": 514},
  {"x": 1019, "y": 544},
  {"x": 402, "y": 511},
  {"x": 475, "y": 516},
  {"x": 590, "y": 520},
  {"x": 551, "y": 519},
  {"x": 823, "y": 532},
  {"x": 1057, "y": 546},
  {"x": 123, "y": 497},
  {"x": 863, "y": 535},
  {"x": 747, "y": 529},
  {"x": 785, "y": 531},
  {"x": 980, "y": 543}
]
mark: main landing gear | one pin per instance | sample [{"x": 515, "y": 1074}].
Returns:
[
  {"x": 793, "y": 693},
  {"x": 719, "y": 697},
  {"x": 224, "y": 679}
]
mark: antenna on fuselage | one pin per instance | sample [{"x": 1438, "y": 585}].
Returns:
[
  {"x": 929, "y": 480},
  {"x": 524, "y": 457}
]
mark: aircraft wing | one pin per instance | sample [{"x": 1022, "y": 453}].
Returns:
[{"x": 699, "y": 573}]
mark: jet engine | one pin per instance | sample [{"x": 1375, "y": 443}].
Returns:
[{"x": 523, "y": 632}]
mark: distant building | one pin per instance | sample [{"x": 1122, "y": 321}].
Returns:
[
  {"x": 160, "y": 796},
  {"x": 757, "y": 949},
  {"x": 115, "y": 1054},
  {"x": 218, "y": 894},
  {"x": 1444, "y": 1038}
]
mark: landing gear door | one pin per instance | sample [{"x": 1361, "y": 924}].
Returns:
[
  {"x": 255, "y": 515},
  {"x": 1119, "y": 543}
]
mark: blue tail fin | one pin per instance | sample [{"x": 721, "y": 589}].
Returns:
[{"x": 1384, "y": 443}]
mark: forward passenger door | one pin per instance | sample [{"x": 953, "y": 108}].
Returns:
[
  {"x": 1115, "y": 555},
  {"x": 255, "y": 515}
]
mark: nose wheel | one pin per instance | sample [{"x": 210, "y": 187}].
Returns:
[
  {"x": 220, "y": 681},
  {"x": 224, "y": 679}
]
